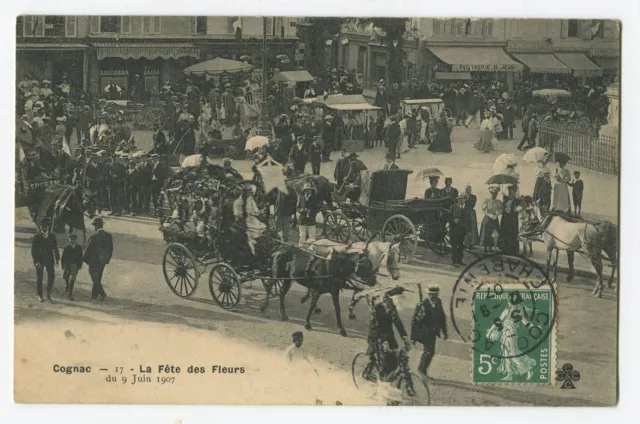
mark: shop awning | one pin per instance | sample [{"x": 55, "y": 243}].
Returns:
[
  {"x": 542, "y": 63},
  {"x": 353, "y": 106},
  {"x": 608, "y": 63},
  {"x": 148, "y": 50},
  {"x": 582, "y": 67},
  {"x": 217, "y": 66},
  {"x": 52, "y": 46},
  {"x": 293, "y": 76},
  {"x": 453, "y": 75},
  {"x": 476, "y": 59}
]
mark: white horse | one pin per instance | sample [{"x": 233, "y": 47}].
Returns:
[
  {"x": 574, "y": 234},
  {"x": 381, "y": 254}
]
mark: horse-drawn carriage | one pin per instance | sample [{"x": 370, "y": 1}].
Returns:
[
  {"x": 383, "y": 210},
  {"x": 141, "y": 116}
]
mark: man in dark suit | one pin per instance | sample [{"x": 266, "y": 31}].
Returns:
[
  {"x": 459, "y": 223},
  {"x": 428, "y": 322},
  {"x": 44, "y": 251},
  {"x": 97, "y": 255},
  {"x": 299, "y": 156},
  {"x": 342, "y": 168},
  {"x": 449, "y": 191},
  {"x": 381, "y": 338},
  {"x": 392, "y": 137},
  {"x": 308, "y": 208},
  {"x": 159, "y": 140}
]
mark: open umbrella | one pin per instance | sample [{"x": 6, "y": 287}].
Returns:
[
  {"x": 256, "y": 142},
  {"x": 558, "y": 157},
  {"x": 193, "y": 160},
  {"x": 428, "y": 172},
  {"x": 502, "y": 179},
  {"x": 500, "y": 165},
  {"x": 245, "y": 58},
  {"x": 535, "y": 154}
]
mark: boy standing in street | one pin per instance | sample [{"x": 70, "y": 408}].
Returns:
[
  {"x": 71, "y": 263},
  {"x": 578, "y": 187}
]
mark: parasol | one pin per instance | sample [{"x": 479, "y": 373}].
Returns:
[
  {"x": 428, "y": 172},
  {"x": 535, "y": 154},
  {"x": 256, "y": 142},
  {"x": 503, "y": 160},
  {"x": 217, "y": 66},
  {"x": 559, "y": 157},
  {"x": 502, "y": 179},
  {"x": 193, "y": 160},
  {"x": 245, "y": 57}
]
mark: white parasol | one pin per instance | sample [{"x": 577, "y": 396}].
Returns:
[
  {"x": 535, "y": 154},
  {"x": 501, "y": 163},
  {"x": 193, "y": 160},
  {"x": 256, "y": 142}
]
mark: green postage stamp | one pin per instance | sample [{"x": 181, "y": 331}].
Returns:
[{"x": 513, "y": 332}]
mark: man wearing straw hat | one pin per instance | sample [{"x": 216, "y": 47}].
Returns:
[
  {"x": 428, "y": 322},
  {"x": 308, "y": 208}
]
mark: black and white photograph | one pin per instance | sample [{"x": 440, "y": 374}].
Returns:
[{"x": 277, "y": 210}]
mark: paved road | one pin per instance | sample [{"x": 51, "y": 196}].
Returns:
[{"x": 137, "y": 293}]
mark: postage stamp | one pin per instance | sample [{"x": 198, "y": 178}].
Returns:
[
  {"x": 513, "y": 336},
  {"x": 505, "y": 307}
]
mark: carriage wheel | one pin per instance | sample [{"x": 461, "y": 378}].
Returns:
[
  {"x": 224, "y": 285},
  {"x": 399, "y": 228},
  {"x": 179, "y": 268},
  {"x": 336, "y": 227},
  {"x": 359, "y": 366},
  {"x": 155, "y": 116},
  {"x": 420, "y": 395},
  {"x": 438, "y": 234},
  {"x": 276, "y": 286},
  {"x": 360, "y": 228}
]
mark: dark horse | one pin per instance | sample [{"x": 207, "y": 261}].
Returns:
[
  {"x": 323, "y": 187},
  {"x": 328, "y": 275}
]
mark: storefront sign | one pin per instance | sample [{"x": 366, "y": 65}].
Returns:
[
  {"x": 31, "y": 186},
  {"x": 485, "y": 68}
]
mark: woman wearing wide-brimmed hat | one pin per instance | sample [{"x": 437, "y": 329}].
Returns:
[
  {"x": 561, "y": 200},
  {"x": 492, "y": 209}
]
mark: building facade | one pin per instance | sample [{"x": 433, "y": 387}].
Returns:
[
  {"x": 509, "y": 50},
  {"x": 91, "y": 51}
]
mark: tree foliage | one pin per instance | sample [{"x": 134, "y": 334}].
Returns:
[
  {"x": 317, "y": 33},
  {"x": 393, "y": 31}
]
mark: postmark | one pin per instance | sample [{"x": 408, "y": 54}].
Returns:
[{"x": 506, "y": 309}]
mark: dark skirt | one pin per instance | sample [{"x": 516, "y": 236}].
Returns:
[
  {"x": 471, "y": 239},
  {"x": 508, "y": 240},
  {"x": 442, "y": 142},
  {"x": 487, "y": 228}
]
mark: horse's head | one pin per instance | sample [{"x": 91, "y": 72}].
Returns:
[{"x": 344, "y": 264}]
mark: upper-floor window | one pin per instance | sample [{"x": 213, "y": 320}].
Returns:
[
  {"x": 573, "y": 28},
  {"x": 463, "y": 27},
  {"x": 50, "y": 26},
  {"x": 198, "y": 25},
  {"x": 151, "y": 24},
  {"x": 111, "y": 24}
]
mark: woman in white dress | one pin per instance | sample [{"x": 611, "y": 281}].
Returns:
[
  {"x": 561, "y": 200},
  {"x": 486, "y": 135},
  {"x": 513, "y": 361},
  {"x": 246, "y": 213},
  {"x": 403, "y": 146}
]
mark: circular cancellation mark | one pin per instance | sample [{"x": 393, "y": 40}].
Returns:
[{"x": 499, "y": 294}]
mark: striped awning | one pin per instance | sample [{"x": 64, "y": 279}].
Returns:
[
  {"x": 582, "y": 67},
  {"x": 607, "y": 63},
  {"x": 148, "y": 50},
  {"x": 476, "y": 59},
  {"x": 542, "y": 63},
  {"x": 50, "y": 46}
]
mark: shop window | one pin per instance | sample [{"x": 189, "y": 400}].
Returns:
[
  {"x": 572, "y": 25},
  {"x": 198, "y": 25},
  {"x": 459, "y": 27},
  {"x": 151, "y": 24},
  {"x": 362, "y": 51},
  {"x": 597, "y": 29},
  {"x": 126, "y": 24}
]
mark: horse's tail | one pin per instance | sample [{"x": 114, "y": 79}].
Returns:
[{"x": 279, "y": 262}]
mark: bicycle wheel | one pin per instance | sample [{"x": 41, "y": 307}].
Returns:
[
  {"x": 362, "y": 371},
  {"x": 420, "y": 395}
]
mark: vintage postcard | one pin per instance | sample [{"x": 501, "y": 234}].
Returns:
[{"x": 239, "y": 210}]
